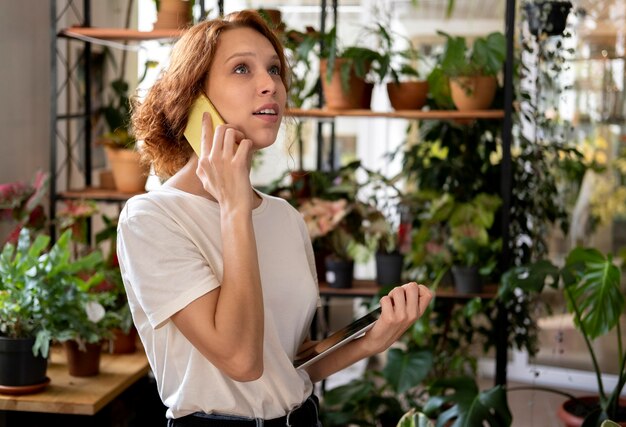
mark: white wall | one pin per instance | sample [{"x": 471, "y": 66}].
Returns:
[{"x": 24, "y": 88}]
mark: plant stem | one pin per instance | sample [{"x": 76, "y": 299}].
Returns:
[{"x": 613, "y": 403}]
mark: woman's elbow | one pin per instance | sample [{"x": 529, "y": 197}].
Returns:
[{"x": 245, "y": 369}]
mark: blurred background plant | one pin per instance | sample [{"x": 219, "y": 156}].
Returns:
[{"x": 22, "y": 205}]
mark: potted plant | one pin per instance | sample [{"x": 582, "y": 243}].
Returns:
[
  {"x": 120, "y": 145},
  {"x": 337, "y": 218},
  {"x": 25, "y": 319},
  {"x": 547, "y": 17},
  {"x": 44, "y": 297},
  {"x": 173, "y": 14},
  {"x": 21, "y": 204},
  {"x": 74, "y": 216},
  {"x": 396, "y": 67},
  {"x": 129, "y": 174},
  {"x": 473, "y": 252},
  {"x": 472, "y": 71},
  {"x": 343, "y": 71},
  {"x": 591, "y": 285},
  {"x": 454, "y": 234},
  {"x": 121, "y": 321}
]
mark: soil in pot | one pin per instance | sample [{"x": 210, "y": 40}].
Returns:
[
  {"x": 573, "y": 411},
  {"x": 339, "y": 272},
  {"x": 18, "y": 366},
  {"x": 83, "y": 363}
]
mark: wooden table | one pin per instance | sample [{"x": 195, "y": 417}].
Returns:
[{"x": 81, "y": 396}]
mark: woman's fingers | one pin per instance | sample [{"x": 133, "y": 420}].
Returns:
[
  {"x": 400, "y": 309},
  {"x": 425, "y": 296}
]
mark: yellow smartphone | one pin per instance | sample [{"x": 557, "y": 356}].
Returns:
[{"x": 193, "y": 131}]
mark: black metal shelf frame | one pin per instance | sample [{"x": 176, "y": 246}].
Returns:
[{"x": 78, "y": 148}]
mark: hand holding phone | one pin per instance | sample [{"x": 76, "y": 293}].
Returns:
[{"x": 193, "y": 131}]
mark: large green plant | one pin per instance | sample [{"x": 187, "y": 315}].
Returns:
[
  {"x": 590, "y": 282},
  {"x": 485, "y": 57},
  {"x": 46, "y": 294},
  {"x": 458, "y": 402}
]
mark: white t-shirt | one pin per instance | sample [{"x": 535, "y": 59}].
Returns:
[{"x": 170, "y": 253}]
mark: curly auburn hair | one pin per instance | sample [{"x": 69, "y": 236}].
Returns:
[{"x": 160, "y": 120}]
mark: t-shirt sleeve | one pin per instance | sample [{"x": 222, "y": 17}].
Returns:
[
  {"x": 165, "y": 270},
  {"x": 308, "y": 246}
]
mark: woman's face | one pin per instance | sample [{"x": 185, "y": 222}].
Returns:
[{"x": 244, "y": 85}]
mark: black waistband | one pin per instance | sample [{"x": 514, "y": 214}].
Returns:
[{"x": 306, "y": 415}]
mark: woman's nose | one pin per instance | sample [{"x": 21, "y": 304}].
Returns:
[{"x": 267, "y": 84}]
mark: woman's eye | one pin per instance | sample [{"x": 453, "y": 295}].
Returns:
[
  {"x": 274, "y": 69},
  {"x": 241, "y": 69}
]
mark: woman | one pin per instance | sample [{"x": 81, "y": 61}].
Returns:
[{"x": 221, "y": 278}]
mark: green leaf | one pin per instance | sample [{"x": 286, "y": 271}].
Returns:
[
  {"x": 530, "y": 278},
  {"x": 406, "y": 370},
  {"x": 593, "y": 281},
  {"x": 415, "y": 419}
]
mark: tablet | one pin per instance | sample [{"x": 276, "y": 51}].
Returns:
[{"x": 336, "y": 340}]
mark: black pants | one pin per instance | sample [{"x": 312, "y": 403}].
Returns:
[{"x": 305, "y": 415}]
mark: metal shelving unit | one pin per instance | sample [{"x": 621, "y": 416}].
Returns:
[{"x": 72, "y": 117}]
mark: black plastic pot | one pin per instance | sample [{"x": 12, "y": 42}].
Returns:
[
  {"x": 467, "y": 280},
  {"x": 339, "y": 272},
  {"x": 389, "y": 268},
  {"x": 549, "y": 17},
  {"x": 18, "y": 366}
]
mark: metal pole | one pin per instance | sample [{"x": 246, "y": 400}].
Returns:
[{"x": 505, "y": 188}]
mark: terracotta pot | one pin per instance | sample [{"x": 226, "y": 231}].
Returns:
[
  {"x": 407, "y": 95},
  {"x": 339, "y": 98},
  {"x": 128, "y": 173},
  {"x": 569, "y": 412},
  {"x": 473, "y": 93},
  {"x": 123, "y": 343},
  {"x": 173, "y": 14},
  {"x": 83, "y": 363}
]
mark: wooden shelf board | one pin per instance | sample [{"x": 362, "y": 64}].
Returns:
[
  {"x": 81, "y": 395},
  {"x": 403, "y": 114},
  {"x": 96, "y": 194},
  {"x": 121, "y": 34}
]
